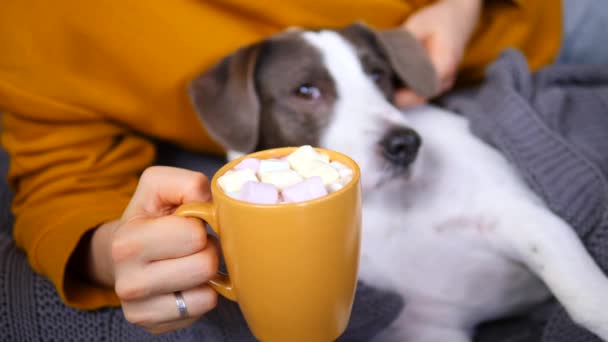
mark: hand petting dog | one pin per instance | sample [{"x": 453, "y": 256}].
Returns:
[{"x": 444, "y": 29}]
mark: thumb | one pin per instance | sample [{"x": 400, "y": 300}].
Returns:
[{"x": 162, "y": 188}]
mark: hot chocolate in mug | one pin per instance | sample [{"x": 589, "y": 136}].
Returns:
[{"x": 292, "y": 268}]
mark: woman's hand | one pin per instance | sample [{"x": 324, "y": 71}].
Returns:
[
  {"x": 444, "y": 29},
  {"x": 149, "y": 254}
]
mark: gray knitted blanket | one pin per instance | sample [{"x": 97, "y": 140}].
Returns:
[{"x": 552, "y": 125}]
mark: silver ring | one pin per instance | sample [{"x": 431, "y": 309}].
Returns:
[{"x": 181, "y": 304}]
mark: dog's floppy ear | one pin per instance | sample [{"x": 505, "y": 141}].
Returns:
[
  {"x": 406, "y": 56},
  {"x": 226, "y": 100}
]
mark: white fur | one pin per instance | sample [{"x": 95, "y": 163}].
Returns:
[{"x": 460, "y": 236}]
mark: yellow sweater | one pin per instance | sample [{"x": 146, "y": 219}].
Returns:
[{"x": 84, "y": 84}]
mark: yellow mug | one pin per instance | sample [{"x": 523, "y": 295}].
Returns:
[{"x": 292, "y": 268}]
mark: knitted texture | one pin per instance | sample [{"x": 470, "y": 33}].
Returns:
[
  {"x": 553, "y": 126},
  {"x": 31, "y": 310}
]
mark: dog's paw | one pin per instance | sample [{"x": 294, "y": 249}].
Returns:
[
  {"x": 597, "y": 325},
  {"x": 591, "y": 314}
]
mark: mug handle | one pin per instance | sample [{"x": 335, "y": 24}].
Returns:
[{"x": 206, "y": 211}]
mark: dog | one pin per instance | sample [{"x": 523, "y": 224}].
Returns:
[{"x": 448, "y": 223}]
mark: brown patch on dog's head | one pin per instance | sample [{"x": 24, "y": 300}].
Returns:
[
  {"x": 252, "y": 99},
  {"x": 227, "y": 102},
  {"x": 278, "y": 92},
  {"x": 296, "y": 92}
]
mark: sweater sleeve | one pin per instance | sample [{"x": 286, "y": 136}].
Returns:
[{"x": 70, "y": 174}]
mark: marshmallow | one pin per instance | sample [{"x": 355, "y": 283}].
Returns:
[
  {"x": 309, "y": 189},
  {"x": 248, "y": 163},
  {"x": 345, "y": 180},
  {"x": 273, "y": 165},
  {"x": 342, "y": 169},
  {"x": 333, "y": 187},
  {"x": 301, "y": 157},
  {"x": 281, "y": 179},
  {"x": 232, "y": 181},
  {"x": 322, "y": 169},
  {"x": 303, "y": 175},
  {"x": 235, "y": 195},
  {"x": 260, "y": 193}
]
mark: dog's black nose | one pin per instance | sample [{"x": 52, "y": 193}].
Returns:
[{"x": 400, "y": 146}]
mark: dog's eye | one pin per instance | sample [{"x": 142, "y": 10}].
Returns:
[{"x": 308, "y": 92}]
